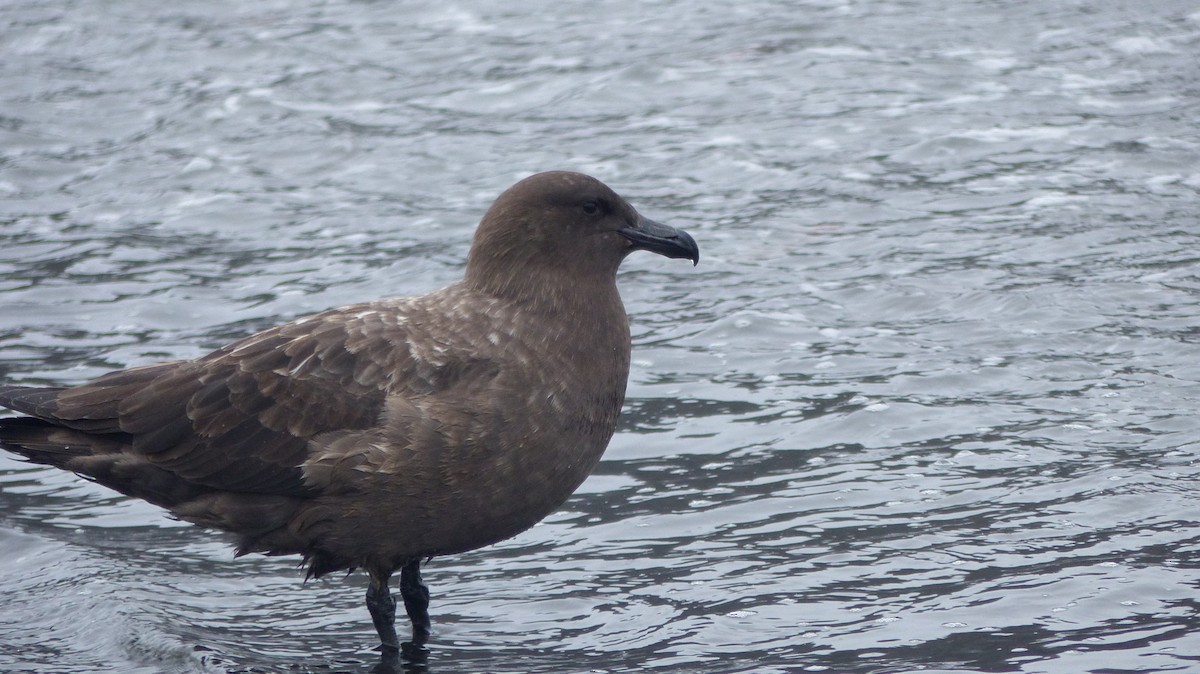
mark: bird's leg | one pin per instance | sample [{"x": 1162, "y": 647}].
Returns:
[
  {"x": 416, "y": 603},
  {"x": 383, "y": 610}
]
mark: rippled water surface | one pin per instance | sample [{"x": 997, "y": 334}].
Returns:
[{"x": 929, "y": 402}]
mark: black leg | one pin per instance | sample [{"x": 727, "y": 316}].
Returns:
[
  {"x": 416, "y": 603},
  {"x": 383, "y": 611}
]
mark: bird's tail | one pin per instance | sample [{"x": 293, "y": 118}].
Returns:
[
  {"x": 40, "y": 441},
  {"x": 35, "y": 437}
]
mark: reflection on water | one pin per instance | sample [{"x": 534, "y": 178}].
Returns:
[{"x": 928, "y": 402}]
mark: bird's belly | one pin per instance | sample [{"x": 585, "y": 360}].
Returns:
[
  {"x": 502, "y": 501},
  {"x": 458, "y": 505}
]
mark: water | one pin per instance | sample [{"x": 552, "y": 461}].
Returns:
[{"x": 928, "y": 402}]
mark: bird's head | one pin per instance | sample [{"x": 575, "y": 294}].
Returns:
[{"x": 564, "y": 223}]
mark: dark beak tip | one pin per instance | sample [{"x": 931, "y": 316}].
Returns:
[
  {"x": 691, "y": 246},
  {"x": 686, "y": 247}
]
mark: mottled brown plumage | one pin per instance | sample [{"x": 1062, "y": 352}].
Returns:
[{"x": 378, "y": 434}]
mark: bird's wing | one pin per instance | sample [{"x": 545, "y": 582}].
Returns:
[{"x": 241, "y": 419}]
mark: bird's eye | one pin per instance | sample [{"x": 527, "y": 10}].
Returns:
[{"x": 591, "y": 207}]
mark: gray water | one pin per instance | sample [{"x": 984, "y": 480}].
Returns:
[{"x": 927, "y": 404}]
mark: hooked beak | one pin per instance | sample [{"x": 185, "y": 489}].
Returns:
[{"x": 662, "y": 239}]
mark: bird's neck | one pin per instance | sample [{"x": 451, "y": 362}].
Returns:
[{"x": 548, "y": 290}]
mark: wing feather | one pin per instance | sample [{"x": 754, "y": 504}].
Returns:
[{"x": 241, "y": 418}]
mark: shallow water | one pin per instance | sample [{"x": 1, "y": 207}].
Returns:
[{"x": 928, "y": 402}]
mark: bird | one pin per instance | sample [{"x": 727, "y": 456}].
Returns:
[{"x": 380, "y": 435}]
